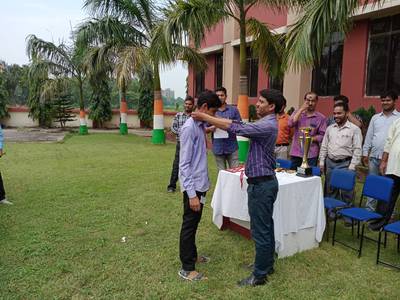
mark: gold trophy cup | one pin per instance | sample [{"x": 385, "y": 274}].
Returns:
[{"x": 305, "y": 142}]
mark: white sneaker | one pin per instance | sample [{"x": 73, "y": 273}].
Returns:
[{"x": 5, "y": 201}]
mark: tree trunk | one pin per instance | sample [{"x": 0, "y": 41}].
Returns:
[
  {"x": 123, "y": 127},
  {"x": 158, "y": 135},
  {"x": 243, "y": 101},
  {"x": 83, "y": 130}
]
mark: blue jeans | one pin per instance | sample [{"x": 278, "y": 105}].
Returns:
[
  {"x": 373, "y": 168},
  {"x": 329, "y": 167},
  {"x": 261, "y": 198}
]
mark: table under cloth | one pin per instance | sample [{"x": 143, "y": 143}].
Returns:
[{"x": 299, "y": 216}]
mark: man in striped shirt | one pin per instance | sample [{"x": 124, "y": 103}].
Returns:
[
  {"x": 260, "y": 170},
  {"x": 179, "y": 119}
]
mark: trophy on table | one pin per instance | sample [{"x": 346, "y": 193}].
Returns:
[{"x": 305, "y": 142}]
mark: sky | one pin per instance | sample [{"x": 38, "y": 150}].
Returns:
[{"x": 52, "y": 20}]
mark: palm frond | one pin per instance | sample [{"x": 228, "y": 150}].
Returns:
[
  {"x": 192, "y": 18},
  {"x": 108, "y": 30},
  {"x": 126, "y": 65},
  {"x": 121, "y": 9},
  {"x": 267, "y": 46},
  {"x": 98, "y": 59},
  {"x": 166, "y": 52},
  {"x": 52, "y": 87},
  {"x": 191, "y": 56},
  {"x": 58, "y": 55},
  {"x": 319, "y": 19}
]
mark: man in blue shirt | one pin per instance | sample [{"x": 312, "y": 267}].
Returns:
[
  {"x": 376, "y": 137},
  {"x": 260, "y": 170},
  {"x": 224, "y": 144},
  {"x": 3, "y": 199},
  {"x": 193, "y": 177}
]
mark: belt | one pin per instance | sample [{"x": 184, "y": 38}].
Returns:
[
  {"x": 338, "y": 161},
  {"x": 260, "y": 179},
  {"x": 284, "y": 144}
]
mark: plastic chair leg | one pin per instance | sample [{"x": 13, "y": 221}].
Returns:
[
  {"x": 327, "y": 225},
  {"x": 379, "y": 247},
  {"x": 385, "y": 240},
  {"x": 361, "y": 241},
  {"x": 334, "y": 232}
]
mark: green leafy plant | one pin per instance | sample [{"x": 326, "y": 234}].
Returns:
[
  {"x": 365, "y": 114},
  {"x": 3, "y": 99},
  {"x": 63, "y": 109}
]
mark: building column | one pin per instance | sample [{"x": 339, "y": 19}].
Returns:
[{"x": 295, "y": 85}]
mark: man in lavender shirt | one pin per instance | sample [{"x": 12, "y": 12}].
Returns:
[
  {"x": 307, "y": 116},
  {"x": 260, "y": 170},
  {"x": 193, "y": 176}
]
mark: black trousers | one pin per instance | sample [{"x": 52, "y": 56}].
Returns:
[
  {"x": 2, "y": 191},
  {"x": 175, "y": 167},
  {"x": 386, "y": 209},
  {"x": 187, "y": 241}
]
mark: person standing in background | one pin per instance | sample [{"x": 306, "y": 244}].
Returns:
[
  {"x": 307, "y": 116},
  {"x": 179, "y": 119},
  {"x": 224, "y": 144},
  {"x": 3, "y": 199}
]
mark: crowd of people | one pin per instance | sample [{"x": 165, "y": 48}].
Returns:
[{"x": 336, "y": 142}]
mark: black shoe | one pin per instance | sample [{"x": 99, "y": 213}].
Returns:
[
  {"x": 250, "y": 267},
  {"x": 171, "y": 190},
  {"x": 252, "y": 281}
]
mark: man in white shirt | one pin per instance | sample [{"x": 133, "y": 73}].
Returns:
[
  {"x": 376, "y": 136},
  {"x": 341, "y": 145},
  {"x": 390, "y": 165}
]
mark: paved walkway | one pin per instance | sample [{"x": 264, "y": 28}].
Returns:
[{"x": 56, "y": 135}]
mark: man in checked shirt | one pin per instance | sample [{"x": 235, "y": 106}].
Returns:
[{"x": 179, "y": 119}]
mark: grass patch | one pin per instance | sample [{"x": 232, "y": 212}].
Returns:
[{"x": 74, "y": 201}]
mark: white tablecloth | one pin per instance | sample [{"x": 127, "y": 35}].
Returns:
[{"x": 299, "y": 206}]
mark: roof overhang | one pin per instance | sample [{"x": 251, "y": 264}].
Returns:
[
  {"x": 249, "y": 39},
  {"x": 212, "y": 49}
]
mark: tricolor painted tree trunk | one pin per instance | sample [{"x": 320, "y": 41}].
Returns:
[
  {"x": 243, "y": 101},
  {"x": 243, "y": 107},
  {"x": 123, "y": 127},
  {"x": 82, "y": 121},
  {"x": 158, "y": 135}
]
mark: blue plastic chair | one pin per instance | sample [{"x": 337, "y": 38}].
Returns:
[
  {"x": 377, "y": 187},
  {"x": 391, "y": 228},
  {"x": 343, "y": 180},
  {"x": 316, "y": 171},
  {"x": 284, "y": 163}
]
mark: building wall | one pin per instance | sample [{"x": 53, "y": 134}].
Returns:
[
  {"x": 19, "y": 117},
  {"x": 272, "y": 18},
  {"x": 214, "y": 36},
  {"x": 209, "y": 81}
]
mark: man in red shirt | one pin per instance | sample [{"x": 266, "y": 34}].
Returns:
[{"x": 284, "y": 134}]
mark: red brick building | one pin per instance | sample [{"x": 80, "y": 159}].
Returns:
[{"x": 360, "y": 66}]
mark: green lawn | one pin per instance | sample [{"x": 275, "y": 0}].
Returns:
[{"x": 73, "y": 202}]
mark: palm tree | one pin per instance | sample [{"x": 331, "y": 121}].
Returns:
[
  {"x": 192, "y": 18},
  {"x": 98, "y": 68},
  {"x": 60, "y": 60},
  {"x": 136, "y": 36}
]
